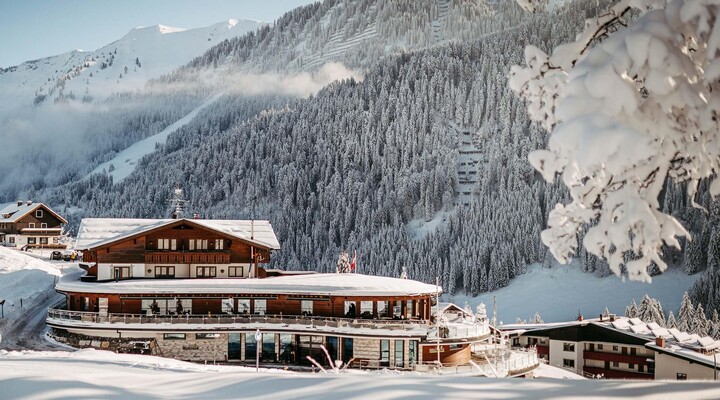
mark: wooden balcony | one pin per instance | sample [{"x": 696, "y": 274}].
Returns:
[
  {"x": 187, "y": 257},
  {"x": 615, "y": 357}
]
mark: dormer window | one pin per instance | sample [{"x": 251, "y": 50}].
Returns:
[{"x": 38, "y": 213}]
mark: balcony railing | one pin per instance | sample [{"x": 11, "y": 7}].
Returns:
[
  {"x": 615, "y": 357},
  {"x": 460, "y": 331},
  {"x": 187, "y": 257},
  {"x": 58, "y": 316}
]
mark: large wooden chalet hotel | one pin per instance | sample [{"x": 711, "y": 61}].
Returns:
[{"x": 195, "y": 289}]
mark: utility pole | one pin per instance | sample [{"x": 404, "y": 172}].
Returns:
[{"x": 437, "y": 317}]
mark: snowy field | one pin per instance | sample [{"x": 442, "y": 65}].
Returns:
[
  {"x": 558, "y": 293},
  {"x": 95, "y": 374},
  {"x": 24, "y": 277}
]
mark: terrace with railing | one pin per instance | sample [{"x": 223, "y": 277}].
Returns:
[{"x": 85, "y": 319}]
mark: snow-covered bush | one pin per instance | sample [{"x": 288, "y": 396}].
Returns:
[{"x": 631, "y": 103}]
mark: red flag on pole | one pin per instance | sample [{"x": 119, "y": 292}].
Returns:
[{"x": 352, "y": 265}]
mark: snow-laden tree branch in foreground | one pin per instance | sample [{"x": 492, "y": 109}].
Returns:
[{"x": 628, "y": 105}]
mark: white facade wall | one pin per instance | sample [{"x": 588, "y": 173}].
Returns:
[
  {"x": 558, "y": 355},
  {"x": 668, "y": 367},
  {"x": 142, "y": 270}
]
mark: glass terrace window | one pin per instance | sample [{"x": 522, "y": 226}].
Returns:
[
  {"x": 260, "y": 306},
  {"x": 244, "y": 306},
  {"x": 382, "y": 309},
  {"x": 174, "y": 336},
  {"x": 399, "y": 353},
  {"x": 306, "y": 307},
  {"x": 227, "y": 306},
  {"x": 350, "y": 311},
  {"x": 384, "y": 352},
  {"x": 366, "y": 309}
]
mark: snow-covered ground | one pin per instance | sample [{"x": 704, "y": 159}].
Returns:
[
  {"x": 101, "y": 374},
  {"x": 560, "y": 292},
  {"x": 23, "y": 277}
]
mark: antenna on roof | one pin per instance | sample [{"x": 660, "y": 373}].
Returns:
[{"x": 178, "y": 203}]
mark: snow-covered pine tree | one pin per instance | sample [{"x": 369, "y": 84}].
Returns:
[
  {"x": 686, "y": 314},
  {"x": 714, "y": 330},
  {"x": 658, "y": 316},
  {"x": 537, "y": 319},
  {"x": 700, "y": 322},
  {"x": 644, "y": 311},
  {"x": 631, "y": 311},
  {"x": 343, "y": 263},
  {"x": 671, "y": 323}
]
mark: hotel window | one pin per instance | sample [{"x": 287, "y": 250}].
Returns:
[
  {"x": 350, "y": 311},
  {"x": 38, "y": 213},
  {"x": 167, "y": 244},
  {"x": 207, "y": 336},
  {"x": 412, "y": 352},
  {"x": 174, "y": 336},
  {"x": 399, "y": 353},
  {"x": 219, "y": 244},
  {"x": 206, "y": 272},
  {"x": 568, "y": 363},
  {"x": 31, "y": 240},
  {"x": 260, "y": 306},
  {"x": 568, "y": 346},
  {"x": 121, "y": 272},
  {"x": 615, "y": 348},
  {"x": 235, "y": 272},
  {"x": 631, "y": 366},
  {"x": 198, "y": 244},
  {"x": 681, "y": 376},
  {"x": 43, "y": 225},
  {"x": 600, "y": 346},
  {"x": 243, "y": 306},
  {"x": 165, "y": 272},
  {"x": 56, "y": 240},
  {"x": 306, "y": 307},
  {"x": 616, "y": 364},
  {"x": 31, "y": 225},
  {"x": 366, "y": 309},
  {"x": 384, "y": 352},
  {"x": 12, "y": 240},
  {"x": 410, "y": 308},
  {"x": 43, "y": 240}
]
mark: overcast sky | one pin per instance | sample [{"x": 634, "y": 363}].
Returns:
[{"x": 32, "y": 29}]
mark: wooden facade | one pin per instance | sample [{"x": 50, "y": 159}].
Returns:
[{"x": 30, "y": 225}]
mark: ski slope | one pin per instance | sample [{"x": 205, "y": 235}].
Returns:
[
  {"x": 560, "y": 292},
  {"x": 124, "y": 162}
]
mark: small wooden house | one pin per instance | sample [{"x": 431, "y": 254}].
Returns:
[{"x": 28, "y": 224}]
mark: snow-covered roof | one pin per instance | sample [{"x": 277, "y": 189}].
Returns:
[
  {"x": 97, "y": 232},
  {"x": 12, "y": 212},
  {"x": 652, "y": 330},
  {"x": 311, "y": 284}
]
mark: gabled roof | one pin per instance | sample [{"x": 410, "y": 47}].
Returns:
[
  {"x": 99, "y": 232},
  {"x": 12, "y": 212}
]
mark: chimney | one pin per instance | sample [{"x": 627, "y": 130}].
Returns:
[
  {"x": 29, "y": 202},
  {"x": 20, "y": 202},
  {"x": 660, "y": 341}
]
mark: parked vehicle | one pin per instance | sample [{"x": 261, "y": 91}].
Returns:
[
  {"x": 66, "y": 257},
  {"x": 56, "y": 255}
]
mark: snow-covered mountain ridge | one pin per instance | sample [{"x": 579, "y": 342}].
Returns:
[{"x": 144, "y": 53}]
